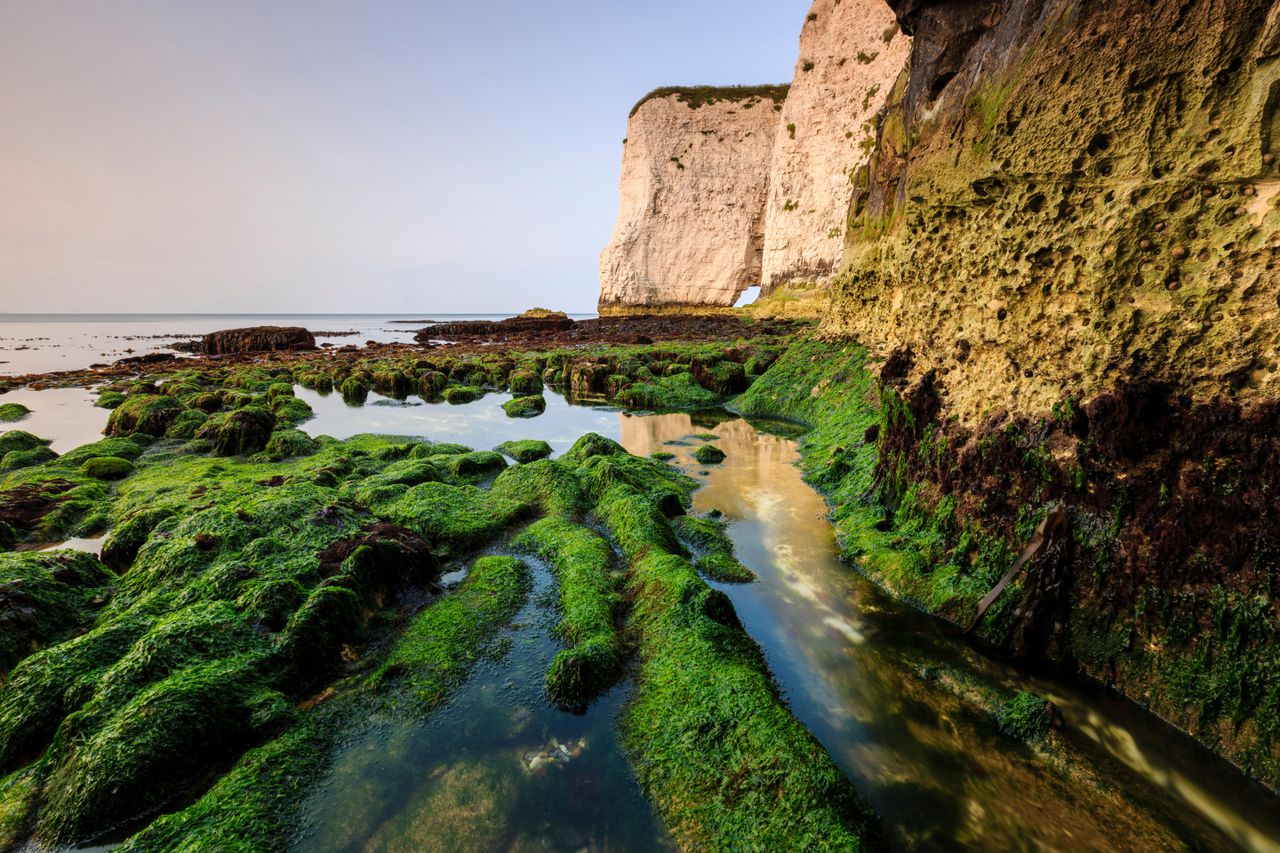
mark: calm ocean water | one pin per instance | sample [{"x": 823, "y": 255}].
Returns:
[{"x": 39, "y": 343}]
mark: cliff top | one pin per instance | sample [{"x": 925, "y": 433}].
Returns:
[{"x": 697, "y": 96}]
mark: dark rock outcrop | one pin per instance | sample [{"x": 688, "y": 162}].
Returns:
[
  {"x": 258, "y": 339},
  {"x": 510, "y": 326}
]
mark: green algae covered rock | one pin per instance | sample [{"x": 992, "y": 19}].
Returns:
[
  {"x": 458, "y": 394},
  {"x": 109, "y": 399},
  {"x": 431, "y": 384},
  {"x": 148, "y": 413},
  {"x": 127, "y": 537},
  {"x": 13, "y": 412},
  {"x": 1026, "y": 717},
  {"x": 155, "y": 744},
  {"x": 16, "y": 439},
  {"x": 589, "y": 602},
  {"x": 354, "y": 392},
  {"x": 709, "y": 454},
  {"x": 593, "y": 444},
  {"x": 15, "y": 459},
  {"x": 290, "y": 443},
  {"x": 545, "y": 484},
  {"x": 707, "y": 540},
  {"x": 406, "y": 472},
  {"x": 678, "y": 391},
  {"x": 721, "y": 566},
  {"x": 525, "y": 407},
  {"x": 207, "y": 403},
  {"x": 44, "y": 594},
  {"x": 453, "y": 517},
  {"x": 523, "y": 382},
  {"x": 436, "y": 651},
  {"x": 528, "y": 450},
  {"x": 124, "y": 447},
  {"x": 187, "y": 424},
  {"x": 107, "y": 468},
  {"x": 241, "y": 431},
  {"x": 290, "y": 411},
  {"x": 473, "y": 466},
  {"x": 720, "y": 376}
]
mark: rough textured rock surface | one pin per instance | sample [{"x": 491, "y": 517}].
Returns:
[
  {"x": 1068, "y": 195},
  {"x": 690, "y": 228},
  {"x": 851, "y": 51},
  {"x": 1065, "y": 246},
  {"x": 257, "y": 339}
]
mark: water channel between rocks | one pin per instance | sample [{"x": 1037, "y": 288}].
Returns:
[{"x": 879, "y": 684}]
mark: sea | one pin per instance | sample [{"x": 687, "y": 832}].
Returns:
[{"x": 43, "y": 343}]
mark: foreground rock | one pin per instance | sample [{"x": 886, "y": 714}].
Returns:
[{"x": 257, "y": 339}]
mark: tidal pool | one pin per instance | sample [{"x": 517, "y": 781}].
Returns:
[
  {"x": 67, "y": 416},
  {"x": 497, "y": 767},
  {"x": 887, "y": 690},
  {"x": 878, "y": 683}
]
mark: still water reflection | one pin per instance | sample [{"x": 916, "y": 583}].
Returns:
[
  {"x": 496, "y": 768},
  {"x": 877, "y": 683}
]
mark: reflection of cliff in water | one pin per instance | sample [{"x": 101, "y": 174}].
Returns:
[{"x": 901, "y": 705}]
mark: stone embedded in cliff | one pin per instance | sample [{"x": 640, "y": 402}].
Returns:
[
  {"x": 690, "y": 228},
  {"x": 851, "y": 52},
  {"x": 258, "y": 339}
]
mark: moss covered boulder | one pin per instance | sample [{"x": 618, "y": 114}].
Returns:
[
  {"x": 242, "y": 431},
  {"x": 107, "y": 468},
  {"x": 354, "y": 391},
  {"x": 43, "y": 595},
  {"x": 13, "y": 412},
  {"x": 525, "y": 382},
  {"x": 17, "y": 439},
  {"x": 525, "y": 407},
  {"x": 528, "y": 450},
  {"x": 152, "y": 414},
  {"x": 709, "y": 454},
  {"x": 15, "y": 459},
  {"x": 458, "y": 394},
  {"x": 288, "y": 443}
]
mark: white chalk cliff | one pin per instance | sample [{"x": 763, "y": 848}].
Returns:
[
  {"x": 690, "y": 229},
  {"x": 851, "y": 51},
  {"x": 727, "y": 188}
]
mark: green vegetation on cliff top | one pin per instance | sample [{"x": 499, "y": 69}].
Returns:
[{"x": 699, "y": 96}]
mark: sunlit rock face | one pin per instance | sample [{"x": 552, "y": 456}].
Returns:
[
  {"x": 1064, "y": 197},
  {"x": 851, "y": 52},
  {"x": 723, "y": 189},
  {"x": 690, "y": 228}
]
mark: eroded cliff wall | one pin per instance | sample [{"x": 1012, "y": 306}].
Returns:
[
  {"x": 1067, "y": 194},
  {"x": 1062, "y": 256},
  {"x": 690, "y": 227},
  {"x": 851, "y": 51}
]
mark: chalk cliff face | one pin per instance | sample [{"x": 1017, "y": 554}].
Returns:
[
  {"x": 695, "y": 171},
  {"x": 1070, "y": 196},
  {"x": 851, "y": 51}
]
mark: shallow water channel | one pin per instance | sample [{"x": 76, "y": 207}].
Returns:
[{"x": 887, "y": 690}]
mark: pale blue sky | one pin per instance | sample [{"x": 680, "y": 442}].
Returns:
[{"x": 247, "y": 155}]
